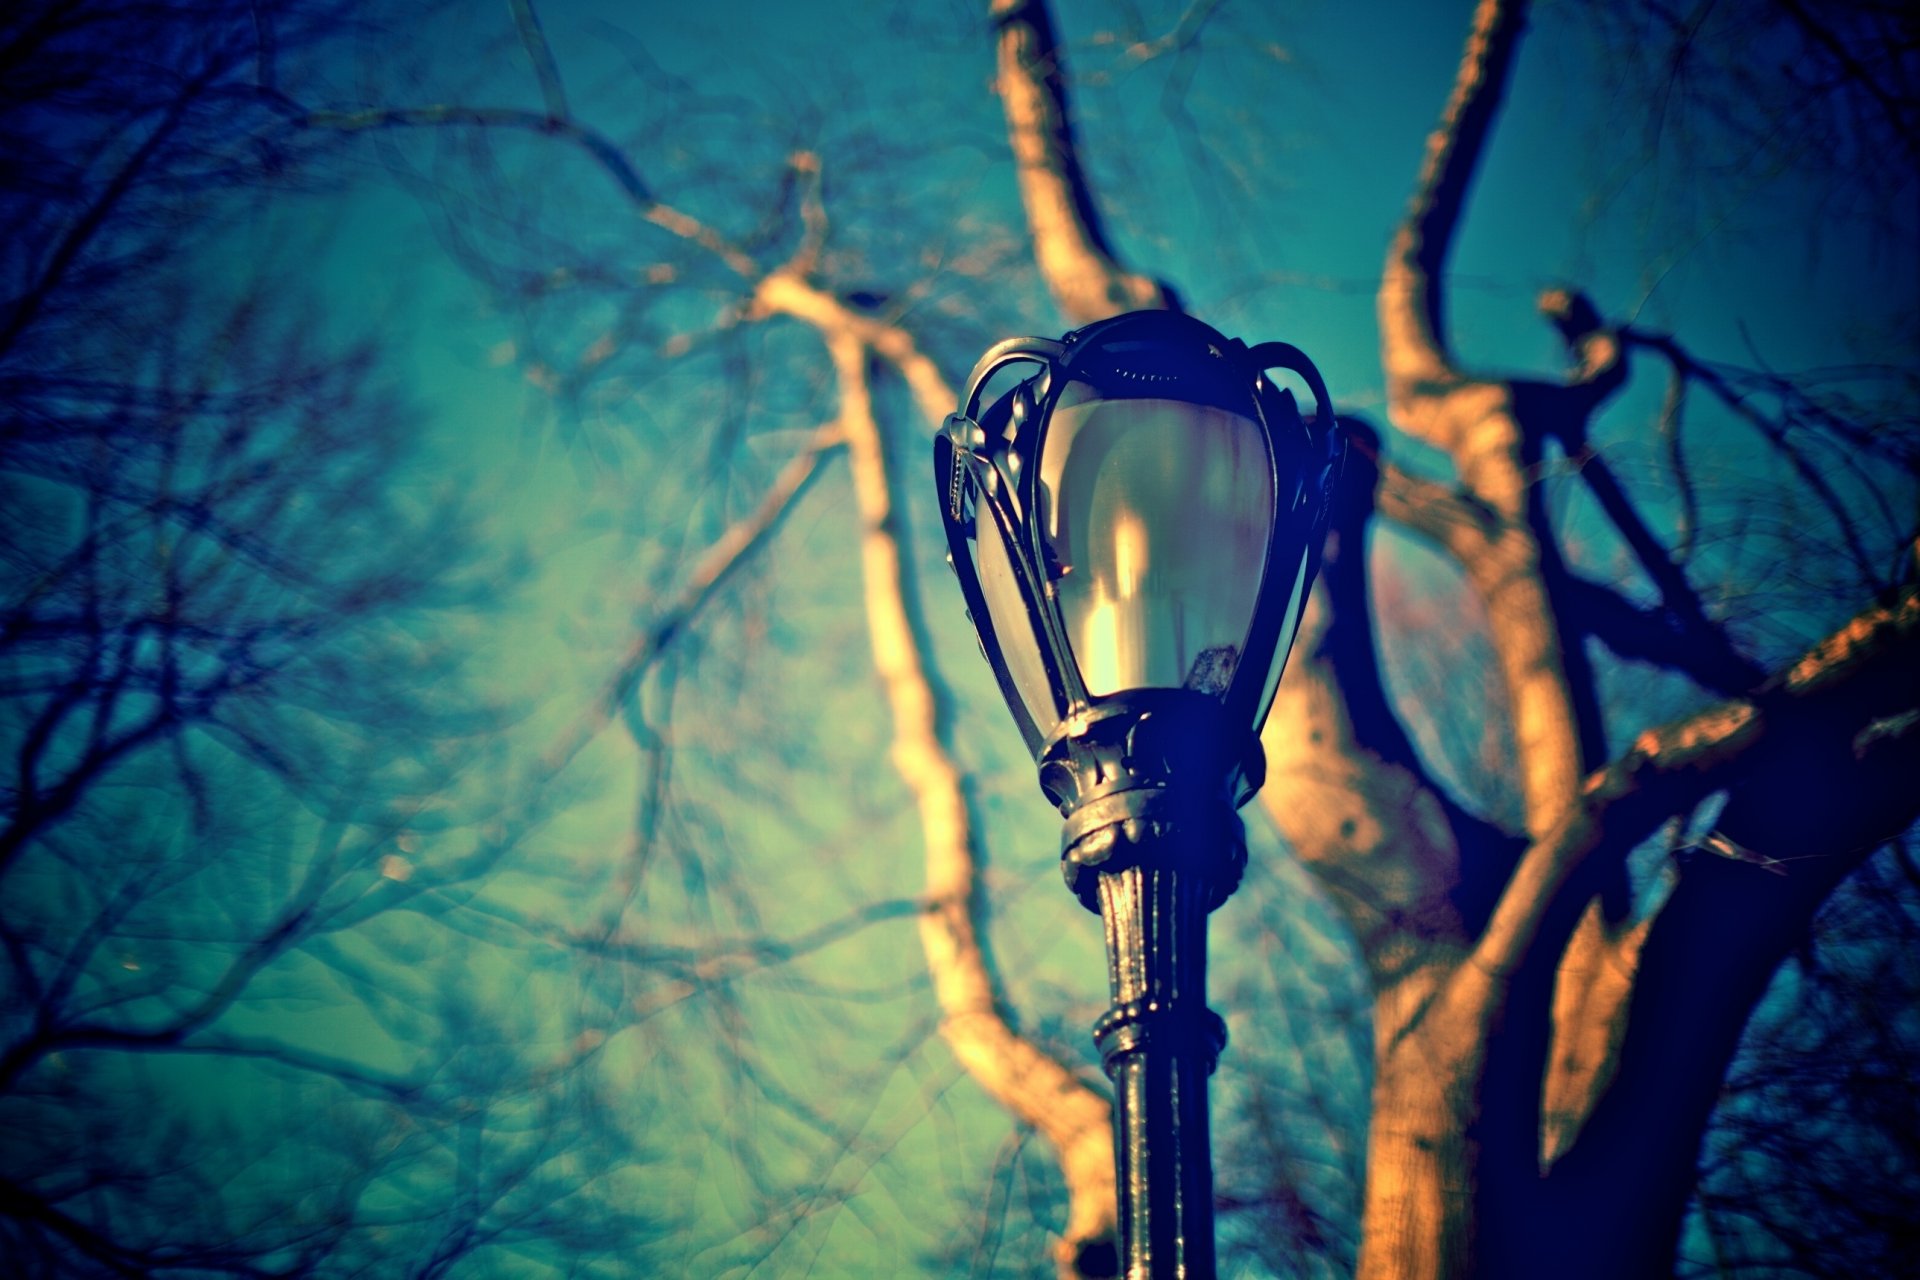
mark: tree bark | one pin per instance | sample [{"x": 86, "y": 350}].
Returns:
[
  {"x": 1069, "y": 243},
  {"x": 1039, "y": 1090}
]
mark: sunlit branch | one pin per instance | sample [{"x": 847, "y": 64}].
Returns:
[
  {"x": 1412, "y": 296},
  {"x": 1597, "y": 353},
  {"x": 1494, "y": 430},
  {"x": 1184, "y": 34},
  {"x": 1743, "y": 901},
  {"x": 1669, "y": 768},
  {"x": 1449, "y": 517},
  {"x": 1035, "y": 1087},
  {"x": 1345, "y": 785},
  {"x": 1070, "y": 246},
  {"x": 805, "y": 166}
]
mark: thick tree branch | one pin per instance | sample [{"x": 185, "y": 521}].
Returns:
[
  {"x": 1409, "y": 868},
  {"x": 1806, "y": 815},
  {"x": 1450, "y": 518},
  {"x": 1598, "y": 355},
  {"x": 1411, "y": 307},
  {"x": 1494, "y": 431},
  {"x": 20, "y": 1203},
  {"x": 1860, "y": 674},
  {"x": 1037, "y": 1089},
  {"x": 1656, "y": 636},
  {"x": 1069, "y": 245}
]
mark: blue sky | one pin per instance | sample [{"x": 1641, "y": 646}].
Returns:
[{"x": 1265, "y": 189}]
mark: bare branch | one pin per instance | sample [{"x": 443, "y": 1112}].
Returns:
[
  {"x": 1412, "y": 289},
  {"x": 1672, "y": 413},
  {"x": 701, "y": 967},
  {"x": 1730, "y": 922},
  {"x": 1852, "y": 676},
  {"x": 717, "y": 563},
  {"x": 1036, "y": 1088},
  {"x": 1716, "y": 648},
  {"x": 1069, "y": 245},
  {"x": 21, "y": 310},
  {"x": 1656, "y": 636},
  {"x": 603, "y": 150},
  {"x": 805, "y": 166},
  {"x": 540, "y": 54},
  {"x": 1777, "y": 432},
  {"x": 1345, "y": 785}
]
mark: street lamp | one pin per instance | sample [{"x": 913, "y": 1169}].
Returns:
[{"x": 1135, "y": 527}]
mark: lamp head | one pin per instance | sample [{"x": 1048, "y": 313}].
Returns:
[{"x": 1135, "y": 525}]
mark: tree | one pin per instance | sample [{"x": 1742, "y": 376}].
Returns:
[
  {"x": 240, "y": 737},
  {"x": 1628, "y": 1017},
  {"x": 1547, "y": 1032},
  {"x": 1558, "y": 855}
]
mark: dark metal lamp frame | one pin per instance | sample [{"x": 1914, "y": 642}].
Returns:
[{"x": 1149, "y": 781}]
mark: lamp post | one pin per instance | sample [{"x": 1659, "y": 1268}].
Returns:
[{"x": 1135, "y": 527}]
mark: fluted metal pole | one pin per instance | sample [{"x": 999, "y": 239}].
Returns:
[
  {"x": 1159, "y": 1043},
  {"x": 1153, "y": 843}
]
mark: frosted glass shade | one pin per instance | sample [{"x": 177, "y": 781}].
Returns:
[{"x": 1155, "y": 517}]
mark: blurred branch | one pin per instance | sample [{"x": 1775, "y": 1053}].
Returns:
[
  {"x": 1412, "y": 291},
  {"x": 1657, "y": 637},
  {"x": 49, "y": 1036},
  {"x": 17, "y": 1202},
  {"x": 1715, "y": 649},
  {"x": 738, "y": 544},
  {"x": 604, "y": 152},
  {"x": 1496, "y": 431},
  {"x": 23, "y": 309},
  {"x": 540, "y": 55},
  {"x": 1069, "y": 244},
  {"x": 1848, "y": 715},
  {"x": 1184, "y": 34},
  {"x": 1345, "y": 785},
  {"x": 1796, "y": 412},
  {"x": 1851, "y": 679},
  {"x": 1672, "y": 415},
  {"x": 1039, "y": 1090},
  {"x": 805, "y": 166},
  {"x": 726, "y": 960}
]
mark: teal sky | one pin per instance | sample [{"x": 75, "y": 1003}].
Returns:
[
  {"x": 1267, "y": 195},
  {"x": 800, "y": 1117}
]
